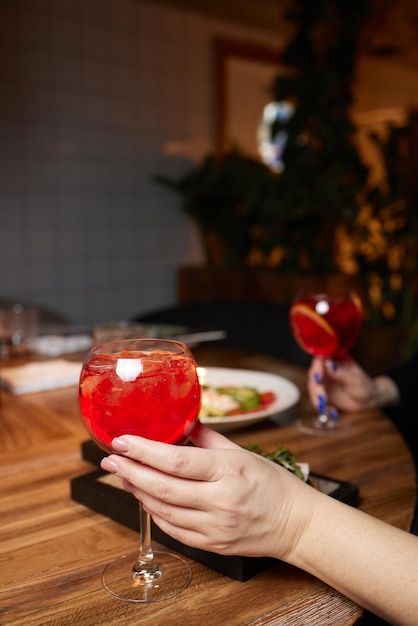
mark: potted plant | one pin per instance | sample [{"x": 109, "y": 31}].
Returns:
[{"x": 318, "y": 214}]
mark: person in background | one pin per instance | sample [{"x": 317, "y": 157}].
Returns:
[
  {"x": 219, "y": 497},
  {"x": 347, "y": 386}
]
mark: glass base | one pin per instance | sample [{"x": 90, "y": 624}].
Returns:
[
  {"x": 321, "y": 425},
  {"x": 171, "y": 576}
]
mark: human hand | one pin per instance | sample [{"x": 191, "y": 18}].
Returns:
[
  {"x": 346, "y": 385},
  {"x": 216, "y": 497}
]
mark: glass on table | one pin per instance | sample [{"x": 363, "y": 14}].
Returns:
[
  {"x": 18, "y": 330},
  {"x": 325, "y": 325},
  {"x": 150, "y": 388}
]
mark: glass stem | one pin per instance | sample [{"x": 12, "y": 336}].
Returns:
[{"x": 146, "y": 569}]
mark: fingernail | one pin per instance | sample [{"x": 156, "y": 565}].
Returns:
[
  {"x": 330, "y": 364},
  {"x": 109, "y": 465},
  {"x": 317, "y": 377},
  {"x": 321, "y": 404},
  {"x": 333, "y": 413},
  {"x": 120, "y": 445}
]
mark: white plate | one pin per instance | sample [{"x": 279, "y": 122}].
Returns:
[{"x": 287, "y": 394}]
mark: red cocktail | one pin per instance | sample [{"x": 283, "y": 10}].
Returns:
[
  {"x": 146, "y": 387},
  {"x": 325, "y": 325},
  {"x": 154, "y": 395}
]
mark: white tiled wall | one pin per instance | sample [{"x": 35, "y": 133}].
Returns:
[{"x": 94, "y": 95}]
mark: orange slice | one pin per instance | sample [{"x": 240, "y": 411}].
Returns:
[{"x": 312, "y": 332}]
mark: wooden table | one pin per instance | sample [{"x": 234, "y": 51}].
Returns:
[{"x": 52, "y": 549}]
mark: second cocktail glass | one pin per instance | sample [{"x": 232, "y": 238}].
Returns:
[{"x": 325, "y": 325}]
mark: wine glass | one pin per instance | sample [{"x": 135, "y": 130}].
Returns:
[
  {"x": 325, "y": 325},
  {"x": 146, "y": 387}
]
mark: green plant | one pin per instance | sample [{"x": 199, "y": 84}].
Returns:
[
  {"x": 319, "y": 213},
  {"x": 228, "y": 197},
  {"x": 380, "y": 243},
  {"x": 287, "y": 220}
]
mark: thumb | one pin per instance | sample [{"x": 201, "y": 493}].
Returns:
[{"x": 205, "y": 437}]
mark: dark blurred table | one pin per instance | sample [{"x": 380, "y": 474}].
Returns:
[{"x": 53, "y": 550}]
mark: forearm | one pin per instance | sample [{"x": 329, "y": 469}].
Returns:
[
  {"x": 387, "y": 393},
  {"x": 367, "y": 560}
]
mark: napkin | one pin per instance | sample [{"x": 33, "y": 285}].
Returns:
[{"x": 39, "y": 376}]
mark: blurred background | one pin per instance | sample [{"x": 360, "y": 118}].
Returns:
[{"x": 102, "y": 99}]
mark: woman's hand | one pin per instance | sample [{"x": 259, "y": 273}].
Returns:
[
  {"x": 216, "y": 497},
  {"x": 346, "y": 385},
  {"x": 221, "y": 498}
]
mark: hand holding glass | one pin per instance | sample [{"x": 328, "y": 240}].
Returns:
[
  {"x": 150, "y": 388},
  {"x": 325, "y": 325}
]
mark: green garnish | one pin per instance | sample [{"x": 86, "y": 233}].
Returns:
[
  {"x": 247, "y": 397},
  {"x": 283, "y": 456}
]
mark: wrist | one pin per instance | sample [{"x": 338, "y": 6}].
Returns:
[
  {"x": 297, "y": 508},
  {"x": 386, "y": 391}
]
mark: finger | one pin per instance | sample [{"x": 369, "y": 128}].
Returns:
[
  {"x": 195, "y": 536},
  {"x": 192, "y": 537},
  {"x": 317, "y": 370},
  {"x": 316, "y": 387},
  {"x": 340, "y": 369},
  {"x": 159, "y": 491},
  {"x": 183, "y": 461}
]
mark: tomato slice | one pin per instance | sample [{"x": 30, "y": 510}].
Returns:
[{"x": 267, "y": 397}]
